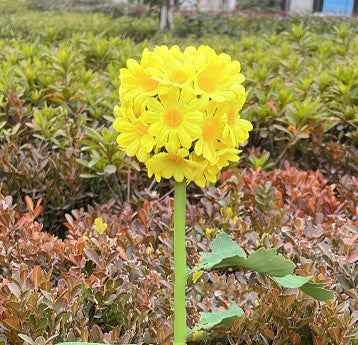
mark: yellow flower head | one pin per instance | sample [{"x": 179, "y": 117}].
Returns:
[
  {"x": 172, "y": 68},
  {"x": 134, "y": 137},
  {"x": 216, "y": 75},
  {"x": 179, "y": 112}
]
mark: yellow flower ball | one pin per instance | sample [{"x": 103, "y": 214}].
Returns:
[{"x": 179, "y": 112}]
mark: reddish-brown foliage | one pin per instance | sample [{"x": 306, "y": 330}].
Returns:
[{"x": 116, "y": 286}]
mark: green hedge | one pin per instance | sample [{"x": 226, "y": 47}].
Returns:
[{"x": 59, "y": 83}]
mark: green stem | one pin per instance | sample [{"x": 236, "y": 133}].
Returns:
[{"x": 180, "y": 330}]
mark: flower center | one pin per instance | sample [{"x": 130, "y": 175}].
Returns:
[
  {"x": 175, "y": 159},
  {"x": 136, "y": 112},
  {"x": 210, "y": 131},
  {"x": 141, "y": 128},
  {"x": 149, "y": 84},
  {"x": 231, "y": 116},
  {"x": 177, "y": 76},
  {"x": 207, "y": 83},
  {"x": 173, "y": 117}
]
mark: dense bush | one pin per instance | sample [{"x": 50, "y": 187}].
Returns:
[
  {"x": 59, "y": 82},
  {"x": 16, "y": 21},
  {"x": 107, "y": 7},
  {"x": 114, "y": 8},
  {"x": 19, "y": 21},
  {"x": 261, "y": 5},
  {"x": 110, "y": 280}
]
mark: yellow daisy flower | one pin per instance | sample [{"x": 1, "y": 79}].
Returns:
[
  {"x": 175, "y": 117},
  {"x": 133, "y": 135},
  {"x": 136, "y": 81},
  {"x": 129, "y": 108},
  {"x": 173, "y": 50},
  {"x": 216, "y": 75},
  {"x": 209, "y": 172},
  {"x": 173, "y": 69},
  {"x": 226, "y": 155},
  {"x": 211, "y": 132},
  {"x": 235, "y": 129},
  {"x": 174, "y": 163},
  {"x": 200, "y": 175},
  {"x": 117, "y": 110}
]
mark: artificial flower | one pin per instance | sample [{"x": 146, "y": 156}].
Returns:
[
  {"x": 179, "y": 112},
  {"x": 173, "y": 163},
  {"x": 216, "y": 75},
  {"x": 175, "y": 117},
  {"x": 133, "y": 135}
]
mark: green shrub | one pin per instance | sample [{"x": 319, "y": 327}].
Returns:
[
  {"x": 261, "y": 5},
  {"x": 107, "y": 7},
  {"x": 59, "y": 82},
  {"x": 54, "y": 27}
]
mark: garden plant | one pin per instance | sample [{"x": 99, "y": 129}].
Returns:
[
  {"x": 179, "y": 115},
  {"x": 86, "y": 237}
]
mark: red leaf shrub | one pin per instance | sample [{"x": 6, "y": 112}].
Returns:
[{"x": 116, "y": 286}]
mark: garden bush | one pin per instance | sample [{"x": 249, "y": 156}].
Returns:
[
  {"x": 107, "y": 7},
  {"x": 261, "y": 5},
  {"x": 110, "y": 279},
  {"x": 58, "y": 92},
  {"x": 91, "y": 260}
]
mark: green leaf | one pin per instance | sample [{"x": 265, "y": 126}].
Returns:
[
  {"x": 94, "y": 161},
  {"x": 317, "y": 291},
  {"x": 133, "y": 165},
  {"x": 82, "y": 162},
  {"x": 226, "y": 253},
  {"x": 267, "y": 261},
  {"x": 88, "y": 175},
  {"x": 352, "y": 228},
  {"x": 292, "y": 281},
  {"x": 110, "y": 169},
  {"x": 217, "y": 318},
  {"x": 26, "y": 338}
]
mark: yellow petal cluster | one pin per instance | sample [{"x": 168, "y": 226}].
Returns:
[{"x": 179, "y": 112}]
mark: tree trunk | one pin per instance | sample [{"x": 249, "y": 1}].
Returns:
[{"x": 166, "y": 15}]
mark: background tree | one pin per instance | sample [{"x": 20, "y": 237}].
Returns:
[
  {"x": 166, "y": 12},
  {"x": 166, "y": 15}
]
